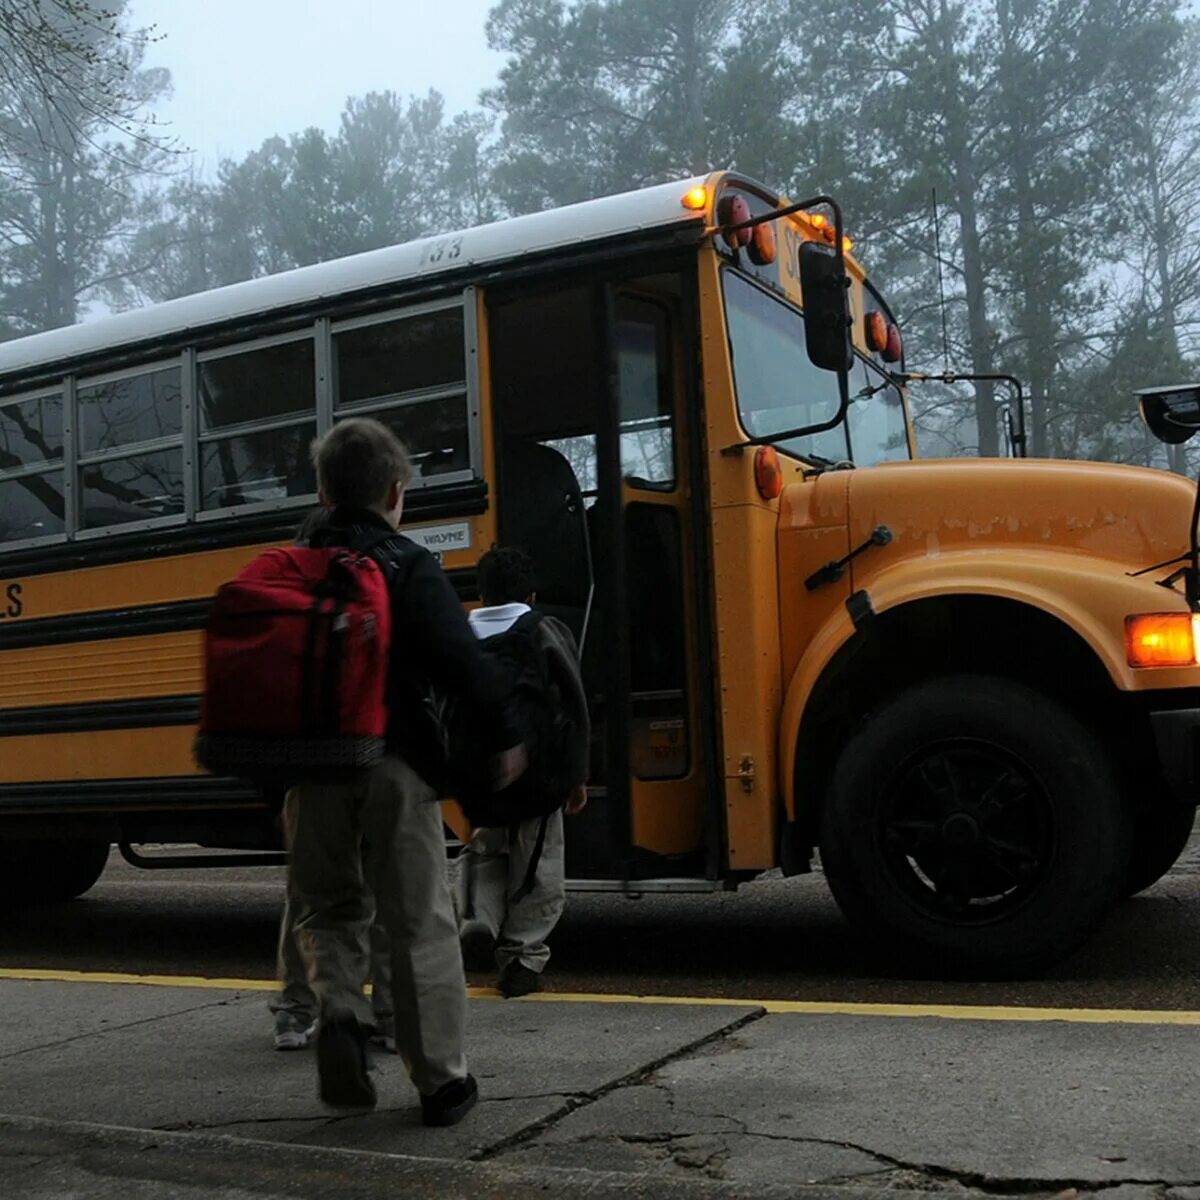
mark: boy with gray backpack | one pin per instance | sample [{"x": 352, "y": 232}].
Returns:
[{"x": 511, "y": 882}]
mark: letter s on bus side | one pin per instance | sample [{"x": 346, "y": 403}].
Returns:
[{"x": 15, "y": 605}]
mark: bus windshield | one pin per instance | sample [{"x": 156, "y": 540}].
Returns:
[{"x": 779, "y": 388}]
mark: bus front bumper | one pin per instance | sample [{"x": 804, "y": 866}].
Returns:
[{"x": 1177, "y": 738}]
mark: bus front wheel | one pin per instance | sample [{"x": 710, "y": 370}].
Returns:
[
  {"x": 975, "y": 826},
  {"x": 44, "y": 872}
]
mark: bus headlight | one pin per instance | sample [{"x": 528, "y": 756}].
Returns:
[{"x": 1163, "y": 639}]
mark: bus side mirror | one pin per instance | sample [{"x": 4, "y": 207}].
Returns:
[
  {"x": 826, "y": 295},
  {"x": 1172, "y": 414}
]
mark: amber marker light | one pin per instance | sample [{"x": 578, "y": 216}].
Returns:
[
  {"x": 1162, "y": 639},
  {"x": 875, "y": 329},
  {"x": 762, "y": 245},
  {"x": 894, "y": 350},
  {"x": 696, "y": 198},
  {"x": 768, "y": 474},
  {"x": 847, "y": 245}
]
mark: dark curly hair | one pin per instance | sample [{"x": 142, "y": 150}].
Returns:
[{"x": 506, "y": 576}]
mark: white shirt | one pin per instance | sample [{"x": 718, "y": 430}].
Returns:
[{"x": 488, "y": 621}]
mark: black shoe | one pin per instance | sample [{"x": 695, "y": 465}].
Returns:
[
  {"x": 451, "y": 1102},
  {"x": 518, "y": 980},
  {"x": 478, "y": 946},
  {"x": 342, "y": 1063}
]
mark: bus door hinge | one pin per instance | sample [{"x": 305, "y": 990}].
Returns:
[
  {"x": 746, "y": 773},
  {"x": 831, "y": 572}
]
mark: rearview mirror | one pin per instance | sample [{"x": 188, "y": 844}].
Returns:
[
  {"x": 825, "y": 289},
  {"x": 1171, "y": 413}
]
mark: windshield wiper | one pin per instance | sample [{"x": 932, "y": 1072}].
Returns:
[{"x": 818, "y": 462}]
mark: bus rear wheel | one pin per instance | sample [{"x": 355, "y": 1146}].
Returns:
[
  {"x": 46, "y": 872},
  {"x": 975, "y": 826}
]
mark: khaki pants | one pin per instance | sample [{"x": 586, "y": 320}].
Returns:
[
  {"x": 382, "y": 837},
  {"x": 295, "y": 994},
  {"x": 493, "y": 869}
]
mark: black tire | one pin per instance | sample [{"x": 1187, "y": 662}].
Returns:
[
  {"x": 976, "y": 828},
  {"x": 48, "y": 872},
  {"x": 1160, "y": 833}
]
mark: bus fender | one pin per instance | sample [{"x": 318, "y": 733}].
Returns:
[{"x": 1089, "y": 595}]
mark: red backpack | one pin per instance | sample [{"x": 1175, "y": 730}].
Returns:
[{"x": 295, "y": 667}]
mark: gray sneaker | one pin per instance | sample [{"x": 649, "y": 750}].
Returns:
[{"x": 293, "y": 1031}]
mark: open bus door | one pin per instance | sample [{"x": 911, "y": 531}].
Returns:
[{"x": 588, "y": 393}]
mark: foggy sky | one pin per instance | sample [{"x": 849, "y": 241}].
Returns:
[{"x": 246, "y": 69}]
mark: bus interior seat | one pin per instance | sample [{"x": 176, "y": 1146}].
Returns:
[{"x": 544, "y": 515}]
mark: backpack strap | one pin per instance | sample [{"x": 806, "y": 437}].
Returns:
[
  {"x": 372, "y": 543},
  {"x": 527, "y": 621},
  {"x": 536, "y": 857}
]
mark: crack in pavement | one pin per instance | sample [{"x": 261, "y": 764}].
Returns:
[
  {"x": 980, "y": 1181},
  {"x": 11, "y": 1161},
  {"x": 327, "y": 1120},
  {"x": 574, "y": 1102},
  {"x": 208, "y": 1126},
  {"x": 79, "y": 1037}
]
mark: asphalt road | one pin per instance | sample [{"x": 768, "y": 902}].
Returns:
[{"x": 772, "y": 939}]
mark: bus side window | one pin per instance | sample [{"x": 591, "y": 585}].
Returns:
[
  {"x": 130, "y": 447},
  {"x": 31, "y": 471},
  {"x": 257, "y": 417},
  {"x": 410, "y": 372}
]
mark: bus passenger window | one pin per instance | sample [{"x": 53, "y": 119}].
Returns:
[
  {"x": 31, "y": 499},
  {"x": 257, "y": 416},
  {"x": 130, "y": 448},
  {"x": 410, "y": 373},
  {"x": 129, "y": 411}
]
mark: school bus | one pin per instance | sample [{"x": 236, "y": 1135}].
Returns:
[{"x": 952, "y": 679}]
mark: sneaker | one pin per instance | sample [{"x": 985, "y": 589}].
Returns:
[
  {"x": 451, "y": 1102},
  {"x": 518, "y": 980},
  {"x": 342, "y": 1063},
  {"x": 293, "y": 1031},
  {"x": 478, "y": 946}
]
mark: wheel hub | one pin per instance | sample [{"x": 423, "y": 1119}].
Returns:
[
  {"x": 968, "y": 830},
  {"x": 961, "y": 832}
]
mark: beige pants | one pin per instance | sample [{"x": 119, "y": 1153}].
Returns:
[
  {"x": 493, "y": 869},
  {"x": 381, "y": 837},
  {"x": 295, "y": 994}
]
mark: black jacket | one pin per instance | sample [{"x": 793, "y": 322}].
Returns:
[{"x": 432, "y": 645}]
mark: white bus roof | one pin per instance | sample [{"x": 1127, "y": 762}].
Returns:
[{"x": 591, "y": 221}]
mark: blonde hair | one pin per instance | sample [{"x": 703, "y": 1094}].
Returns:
[{"x": 357, "y": 462}]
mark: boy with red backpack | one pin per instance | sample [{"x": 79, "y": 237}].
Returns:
[
  {"x": 511, "y": 879},
  {"x": 295, "y": 1006},
  {"x": 359, "y": 824}
]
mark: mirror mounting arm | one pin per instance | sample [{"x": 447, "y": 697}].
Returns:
[{"x": 1019, "y": 440}]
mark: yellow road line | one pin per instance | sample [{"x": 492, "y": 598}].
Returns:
[
  {"x": 944, "y": 1012},
  {"x": 37, "y": 975}
]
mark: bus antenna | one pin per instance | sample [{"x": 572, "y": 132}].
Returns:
[{"x": 937, "y": 253}]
